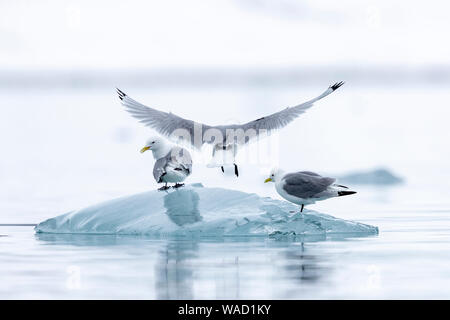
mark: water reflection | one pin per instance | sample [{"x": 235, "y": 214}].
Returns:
[
  {"x": 174, "y": 272},
  {"x": 198, "y": 268},
  {"x": 75, "y": 239},
  {"x": 187, "y": 269},
  {"x": 182, "y": 206},
  {"x": 226, "y": 270},
  {"x": 302, "y": 266}
]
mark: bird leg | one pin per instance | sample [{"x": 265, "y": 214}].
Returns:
[
  {"x": 165, "y": 187},
  {"x": 236, "y": 172},
  {"x": 177, "y": 185},
  {"x": 301, "y": 210},
  {"x": 222, "y": 169}
]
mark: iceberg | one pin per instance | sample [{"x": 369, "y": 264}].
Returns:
[
  {"x": 197, "y": 211},
  {"x": 380, "y": 176}
]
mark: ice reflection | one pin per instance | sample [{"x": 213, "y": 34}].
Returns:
[
  {"x": 82, "y": 239},
  {"x": 182, "y": 206},
  {"x": 214, "y": 268},
  {"x": 191, "y": 269},
  {"x": 226, "y": 270}
]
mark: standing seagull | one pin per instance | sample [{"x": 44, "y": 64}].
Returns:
[
  {"x": 306, "y": 187},
  {"x": 173, "y": 164},
  {"x": 225, "y": 138}
]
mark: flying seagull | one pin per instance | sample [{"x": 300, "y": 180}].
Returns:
[
  {"x": 225, "y": 138},
  {"x": 173, "y": 164},
  {"x": 306, "y": 187}
]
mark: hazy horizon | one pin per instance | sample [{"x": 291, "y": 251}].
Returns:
[{"x": 230, "y": 34}]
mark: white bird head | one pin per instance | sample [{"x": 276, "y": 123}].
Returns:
[
  {"x": 275, "y": 175},
  {"x": 156, "y": 144}
]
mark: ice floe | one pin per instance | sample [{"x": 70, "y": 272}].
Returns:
[{"x": 197, "y": 211}]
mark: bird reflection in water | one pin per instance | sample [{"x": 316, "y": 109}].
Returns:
[
  {"x": 305, "y": 268},
  {"x": 174, "y": 271}
]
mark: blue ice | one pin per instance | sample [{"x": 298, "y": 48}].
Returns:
[{"x": 197, "y": 211}]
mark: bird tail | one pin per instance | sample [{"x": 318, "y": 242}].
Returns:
[{"x": 345, "y": 193}]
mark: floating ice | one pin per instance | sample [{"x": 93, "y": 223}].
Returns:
[
  {"x": 195, "y": 211},
  {"x": 379, "y": 176}
]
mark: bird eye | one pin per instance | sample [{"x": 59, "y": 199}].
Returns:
[{"x": 153, "y": 142}]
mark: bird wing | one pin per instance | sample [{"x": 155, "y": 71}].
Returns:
[
  {"x": 310, "y": 173},
  {"x": 180, "y": 157},
  {"x": 159, "y": 168},
  {"x": 168, "y": 123},
  {"x": 282, "y": 118},
  {"x": 304, "y": 185}
]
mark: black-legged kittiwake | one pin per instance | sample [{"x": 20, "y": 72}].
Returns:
[
  {"x": 225, "y": 138},
  {"x": 173, "y": 163},
  {"x": 306, "y": 187}
]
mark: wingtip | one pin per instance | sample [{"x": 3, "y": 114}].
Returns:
[
  {"x": 121, "y": 94},
  {"x": 337, "y": 85}
]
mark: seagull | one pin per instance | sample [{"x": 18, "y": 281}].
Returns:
[
  {"x": 224, "y": 138},
  {"x": 173, "y": 164},
  {"x": 306, "y": 187}
]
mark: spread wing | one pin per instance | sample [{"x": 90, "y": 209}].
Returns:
[
  {"x": 282, "y": 118},
  {"x": 168, "y": 123}
]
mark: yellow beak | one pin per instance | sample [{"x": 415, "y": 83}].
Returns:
[
  {"x": 145, "y": 149},
  {"x": 268, "y": 180}
]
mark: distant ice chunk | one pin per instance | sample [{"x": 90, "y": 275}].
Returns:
[
  {"x": 380, "y": 176},
  {"x": 195, "y": 211}
]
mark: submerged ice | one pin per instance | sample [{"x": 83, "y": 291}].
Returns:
[
  {"x": 380, "y": 176},
  {"x": 200, "y": 212}
]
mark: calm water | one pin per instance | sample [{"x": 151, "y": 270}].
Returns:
[
  {"x": 408, "y": 259},
  {"x": 67, "y": 150}
]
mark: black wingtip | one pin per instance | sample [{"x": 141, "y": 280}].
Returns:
[
  {"x": 337, "y": 85},
  {"x": 121, "y": 94},
  {"x": 345, "y": 193}
]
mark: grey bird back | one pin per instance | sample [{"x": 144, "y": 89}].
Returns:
[
  {"x": 159, "y": 168},
  {"x": 182, "y": 157},
  {"x": 178, "y": 157},
  {"x": 306, "y": 184}
]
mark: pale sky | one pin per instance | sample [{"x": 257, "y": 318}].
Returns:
[{"x": 203, "y": 33}]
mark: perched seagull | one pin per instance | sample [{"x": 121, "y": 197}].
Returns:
[
  {"x": 306, "y": 187},
  {"x": 225, "y": 138},
  {"x": 173, "y": 164}
]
